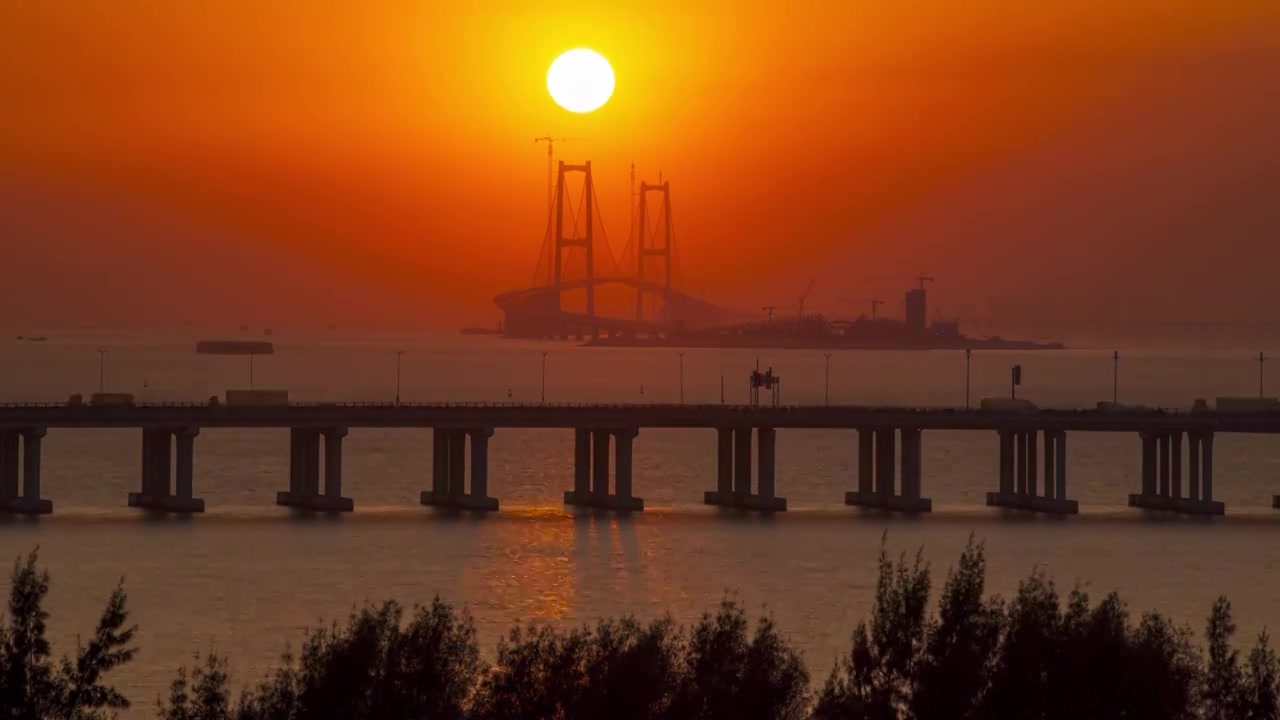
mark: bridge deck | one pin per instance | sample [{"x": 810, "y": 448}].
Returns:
[{"x": 508, "y": 415}]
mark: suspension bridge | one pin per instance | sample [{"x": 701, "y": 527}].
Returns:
[{"x": 581, "y": 289}]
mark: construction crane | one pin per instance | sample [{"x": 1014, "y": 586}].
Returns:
[
  {"x": 922, "y": 280},
  {"x": 769, "y": 309},
  {"x": 551, "y": 142},
  {"x": 875, "y": 304},
  {"x": 805, "y": 296}
]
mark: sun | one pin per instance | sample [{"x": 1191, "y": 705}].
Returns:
[{"x": 580, "y": 80}]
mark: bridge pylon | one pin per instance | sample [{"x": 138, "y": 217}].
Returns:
[
  {"x": 586, "y": 241},
  {"x": 644, "y": 249}
]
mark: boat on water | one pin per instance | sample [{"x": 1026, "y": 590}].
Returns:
[{"x": 817, "y": 332}]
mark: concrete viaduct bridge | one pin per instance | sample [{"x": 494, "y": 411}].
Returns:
[{"x": 887, "y": 441}]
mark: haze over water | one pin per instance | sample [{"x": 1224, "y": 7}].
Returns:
[{"x": 246, "y": 577}]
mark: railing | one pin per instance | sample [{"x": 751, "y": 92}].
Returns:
[{"x": 672, "y": 407}]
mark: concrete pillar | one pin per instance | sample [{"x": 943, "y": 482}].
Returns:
[
  {"x": 1021, "y": 463},
  {"x": 1193, "y": 465},
  {"x": 884, "y": 462},
  {"x": 185, "y": 462},
  {"x": 1050, "y": 452},
  {"x": 742, "y": 461},
  {"x": 439, "y": 461},
  {"x": 8, "y": 464},
  {"x": 457, "y": 463},
  {"x": 600, "y": 462},
  {"x": 1148, "y": 464},
  {"x": 1032, "y": 463},
  {"x": 1175, "y": 488},
  {"x": 295, "y": 461},
  {"x": 1164, "y": 464},
  {"x": 333, "y": 461},
  {"x": 162, "y": 459},
  {"x": 480, "y": 461},
  {"x": 31, "y": 442},
  {"x": 1206, "y": 469},
  {"x": 623, "y": 440},
  {"x": 1006, "y": 461},
  {"x": 311, "y": 479},
  {"x": 866, "y": 461},
  {"x": 910, "y": 462},
  {"x": 765, "y": 475},
  {"x": 724, "y": 461},
  {"x": 1060, "y": 460},
  {"x": 582, "y": 461}
]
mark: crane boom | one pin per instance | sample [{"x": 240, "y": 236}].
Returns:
[{"x": 805, "y": 296}]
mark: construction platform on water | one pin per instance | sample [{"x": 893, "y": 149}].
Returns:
[{"x": 817, "y": 332}]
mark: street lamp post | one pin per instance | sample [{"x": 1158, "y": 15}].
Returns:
[
  {"x": 681, "y": 356},
  {"x": 826, "y": 380},
  {"x": 1115, "y": 378},
  {"x": 968, "y": 353},
  {"x": 544, "y": 377},
  {"x": 1261, "y": 359},
  {"x": 398, "y": 354},
  {"x": 102, "y": 369}
]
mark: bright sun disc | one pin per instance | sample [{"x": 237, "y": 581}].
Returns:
[{"x": 580, "y": 80}]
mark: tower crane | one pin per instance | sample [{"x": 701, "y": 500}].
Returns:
[
  {"x": 805, "y": 296},
  {"x": 922, "y": 280},
  {"x": 875, "y": 304},
  {"x": 769, "y": 309}
]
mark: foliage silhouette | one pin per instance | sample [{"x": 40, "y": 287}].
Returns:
[
  {"x": 1035, "y": 656},
  {"x": 32, "y": 686}
]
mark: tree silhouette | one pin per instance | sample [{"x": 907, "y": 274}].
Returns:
[{"x": 32, "y": 686}]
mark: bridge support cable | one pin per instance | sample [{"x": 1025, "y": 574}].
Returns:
[
  {"x": 877, "y": 470},
  {"x": 591, "y": 470},
  {"x": 449, "y": 470},
  {"x": 20, "y": 455},
  {"x": 167, "y": 468},
  {"x": 733, "y": 471},
  {"x": 305, "y": 470},
  {"x": 1018, "y": 467},
  {"x": 1162, "y": 474}
]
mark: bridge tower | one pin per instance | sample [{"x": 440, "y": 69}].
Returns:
[
  {"x": 663, "y": 251},
  {"x": 562, "y": 242}
]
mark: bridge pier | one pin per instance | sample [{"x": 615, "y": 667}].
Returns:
[
  {"x": 166, "y": 481},
  {"x": 591, "y": 470},
  {"x": 20, "y": 455},
  {"x": 1018, "y": 485},
  {"x": 876, "y": 448},
  {"x": 449, "y": 470},
  {"x": 1162, "y": 474},
  {"x": 304, "y": 471},
  {"x": 733, "y": 471}
]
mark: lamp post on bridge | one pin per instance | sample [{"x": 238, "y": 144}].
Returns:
[
  {"x": 1115, "y": 378},
  {"x": 681, "y": 356},
  {"x": 544, "y": 377},
  {"x": 968, "y": 353},
  {"x": 826, "y": 380},
  {"x": 398, "y": 354},
  {"x": 1261, "y": 359},
  {"x": 102, "y": 369}
]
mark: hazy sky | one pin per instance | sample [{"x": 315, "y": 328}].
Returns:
[{"x": 304, "y": 161}]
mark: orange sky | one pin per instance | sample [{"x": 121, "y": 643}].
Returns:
[{"x": 306, "y": 162}]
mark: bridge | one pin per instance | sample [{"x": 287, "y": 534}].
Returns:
[
  {"x": 886, "y": 442},
  {"x": 575, "y": 262}
]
